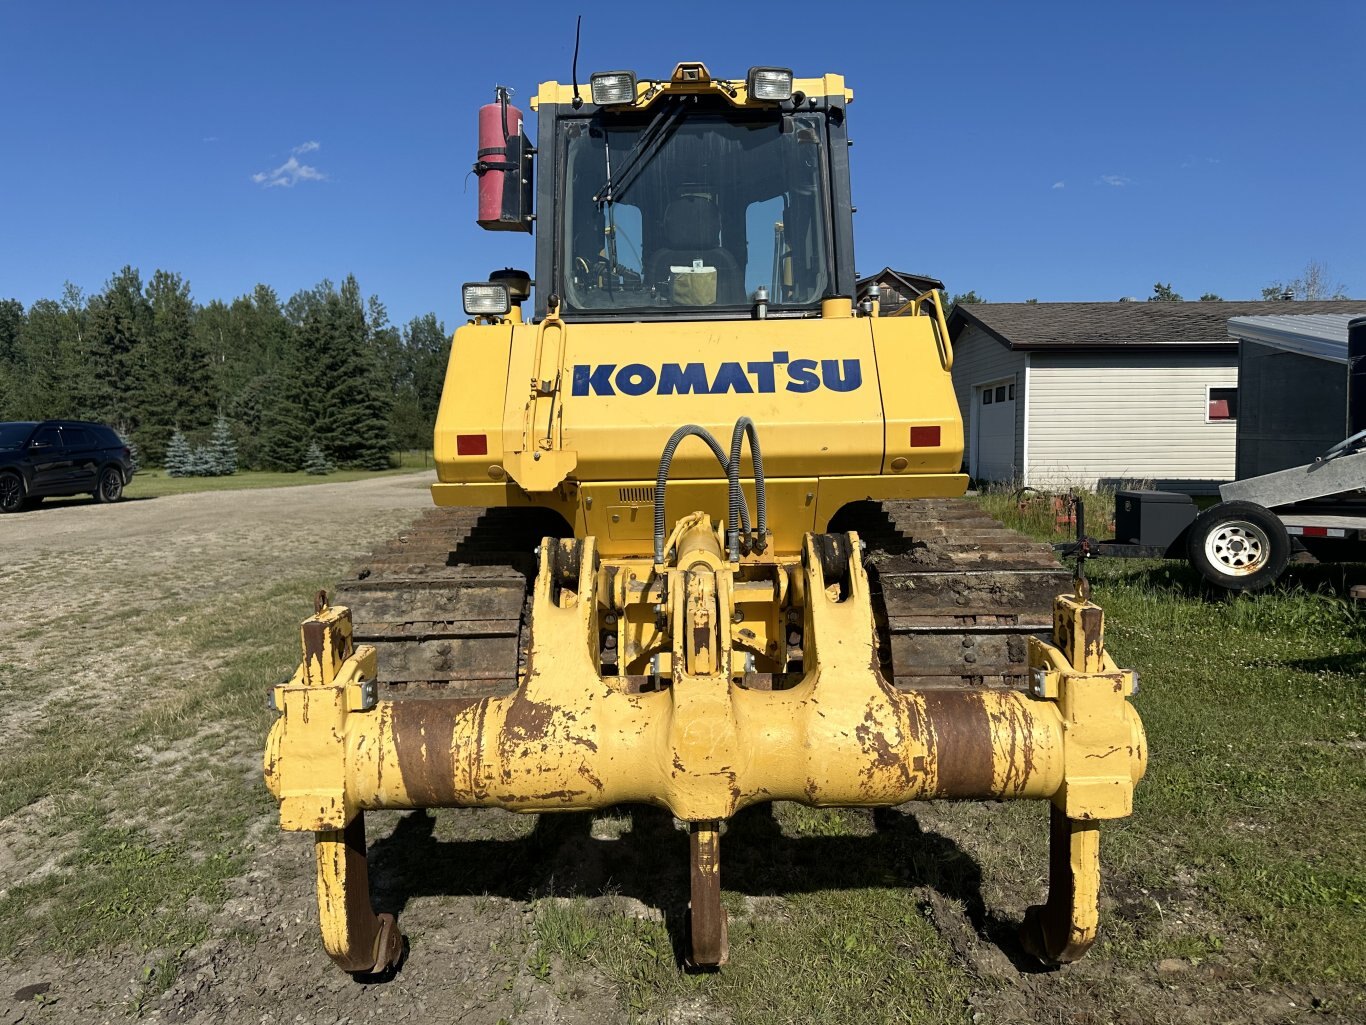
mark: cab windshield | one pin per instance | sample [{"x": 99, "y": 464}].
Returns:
[{"x": 689, "y": 209}]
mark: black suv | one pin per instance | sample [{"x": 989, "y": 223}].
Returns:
[{"x": 61, "y": 457}]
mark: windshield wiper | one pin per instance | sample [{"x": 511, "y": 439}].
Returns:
[{"x": 654, "y": 136}]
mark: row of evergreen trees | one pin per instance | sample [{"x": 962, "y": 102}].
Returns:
[
  {"x": 218, "y": 458},
  {"x": 325, "y": 370}
]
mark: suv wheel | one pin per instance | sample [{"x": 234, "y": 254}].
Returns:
[
  {"x": 11, "y": 492},
  {"x": 111, "y": 485}
]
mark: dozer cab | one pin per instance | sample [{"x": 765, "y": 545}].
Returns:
[{"x": 692, "y": 400}]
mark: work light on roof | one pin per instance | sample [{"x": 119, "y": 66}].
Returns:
[
  {"x": 613, "y": 87},
  {"x": 769, "y": 83}
]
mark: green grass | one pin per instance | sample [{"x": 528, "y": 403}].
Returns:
[
  {"x": 120, "y": 885},
  {"x": 1256, "y": 792},
  {"x": 154, "y": 483},
  {"x": 839, "y": 956},
  {"x": 1253, "y": 812}
]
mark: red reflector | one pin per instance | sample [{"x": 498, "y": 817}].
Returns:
[
  {"x": 471, "y": 445},
  {"x": 1315, "y": 531},
  {"x": 925, "y": 437}
]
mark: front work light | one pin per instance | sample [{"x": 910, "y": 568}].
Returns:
[
  {"x": 613, "y": 87},
  {"x": 485, "y": 299},
  {"x": 769, "y": 83}
]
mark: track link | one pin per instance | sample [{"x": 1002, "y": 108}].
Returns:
[
  {"x": 447, "y": 602},
  {"x": 955, "y": 593}
]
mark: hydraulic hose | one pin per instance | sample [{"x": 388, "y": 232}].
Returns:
[
  {"x": 737, "y": 506},
  {"x": 744, "y": 428}
]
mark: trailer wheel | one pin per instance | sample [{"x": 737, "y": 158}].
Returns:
[{"x": 1239, "y": 546}]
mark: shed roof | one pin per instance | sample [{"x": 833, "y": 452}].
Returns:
[
  {"x": 1129, "y": 325},
  {"x": 915, "y": 284},
  {"x": 1322, "y": 335}
]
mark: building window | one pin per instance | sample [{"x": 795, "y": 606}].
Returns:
[
  {"x": 1010, "y": 392},
  {"x": 1000, "y": 393},
  {"x": 986, "y": 396},
  {"x": 1221, "y": 404}
]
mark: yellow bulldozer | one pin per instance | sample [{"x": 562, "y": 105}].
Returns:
[{"x": 698, "y": 541}]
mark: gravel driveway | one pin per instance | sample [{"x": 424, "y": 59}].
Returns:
[{"x": 66, "y": 525}]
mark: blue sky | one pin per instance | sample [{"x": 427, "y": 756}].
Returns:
[{"x": 1075, "y": 151}]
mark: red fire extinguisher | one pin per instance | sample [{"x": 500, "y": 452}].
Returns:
[{"x": 499, "y": 172}]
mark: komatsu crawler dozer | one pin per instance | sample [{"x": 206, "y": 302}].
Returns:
[{"x": 696, "y": 544}]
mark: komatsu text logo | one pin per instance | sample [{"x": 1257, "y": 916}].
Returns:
[{"x": 797, "y": 375}]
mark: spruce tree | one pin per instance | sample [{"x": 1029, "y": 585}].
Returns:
[
  {"x": 114, "y": 370},
  {"x": 179, "y": 460},
  {"x": 315, "y": 462},
  {"x": 134, "y": 453},
  {"x": 176, "y": 387},
  {"x": 220, "y": 455},
  {"x": 348, "y": 404},
  {"x": 199, "y": 463},
  {"x": 13, "y": 365},
  {"x": 427, "y": 350},
  {"x": 284, "y": 423},
  {"x": 74, "y": 363},
  {"x": 40, "y": 342}
]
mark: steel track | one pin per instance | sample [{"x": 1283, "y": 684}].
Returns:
[{"x": 955, "y": 594}]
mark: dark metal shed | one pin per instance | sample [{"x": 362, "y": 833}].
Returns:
[{"x": 1292, "y": 389}]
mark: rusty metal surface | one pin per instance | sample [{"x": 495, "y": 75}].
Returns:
[
  {"x": 1060, "y": 931},
  {"x": 708, "y": 943},
  {"x": 356, "y": 938}
]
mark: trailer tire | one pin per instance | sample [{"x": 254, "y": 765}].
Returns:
[{"x": 1239, "y": 546}]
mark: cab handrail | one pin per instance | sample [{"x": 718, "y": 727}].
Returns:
[{"x": 937, "y": 322}]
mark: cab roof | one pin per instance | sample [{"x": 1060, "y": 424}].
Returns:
[{"x": 693, "y": 78}]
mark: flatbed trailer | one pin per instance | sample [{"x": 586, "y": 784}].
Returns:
[{"x": 1245, "y": 541}]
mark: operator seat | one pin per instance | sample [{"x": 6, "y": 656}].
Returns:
[{"x": 692, "y": 231}]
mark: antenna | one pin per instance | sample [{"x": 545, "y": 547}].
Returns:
[{"x": 574, "y": 71}]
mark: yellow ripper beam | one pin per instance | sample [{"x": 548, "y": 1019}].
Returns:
[{"x": 705, "y": 746}]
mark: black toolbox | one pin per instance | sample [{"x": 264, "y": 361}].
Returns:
[{"x": 1152, "y": 518}]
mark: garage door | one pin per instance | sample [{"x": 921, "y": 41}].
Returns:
[{"x": 995, "y": 434}]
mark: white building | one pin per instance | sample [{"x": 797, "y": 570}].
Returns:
[{"x": 1061, "y": 394}]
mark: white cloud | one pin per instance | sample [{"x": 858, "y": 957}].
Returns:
[
  {"x": 1060, "y": 185},
  {"x": 291, "y": 172},
  {"x": 1117, "y": 180}
]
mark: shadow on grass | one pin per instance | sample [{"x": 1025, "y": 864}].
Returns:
[
  {"x": 1178, "y": 577},
  {"x": 561, "y": 858}
]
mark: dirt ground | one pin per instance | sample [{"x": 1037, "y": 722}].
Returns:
[{"x": 107, "y": 610}]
